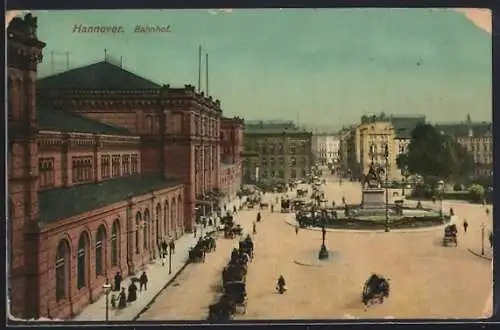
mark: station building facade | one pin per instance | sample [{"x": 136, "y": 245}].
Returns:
[{"x": 102, "y": 164}]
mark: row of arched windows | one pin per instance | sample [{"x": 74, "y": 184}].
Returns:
[
  {"x": 172, "y": 214},
  {"x": 63, "y": 256}
]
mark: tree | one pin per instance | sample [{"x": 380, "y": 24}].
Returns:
[
  {"x": 402, "y": 161},
  {"x": 428, "y": 153},
  {"x": 431, "y": 154},
  {"x": 476, "y": 193}
]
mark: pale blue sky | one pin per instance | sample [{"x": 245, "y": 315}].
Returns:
[{"x": 328, "y": 66}]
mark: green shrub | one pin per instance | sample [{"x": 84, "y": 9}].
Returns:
[{"x": 476, "y": 193}]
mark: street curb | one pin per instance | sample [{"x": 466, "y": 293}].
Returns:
[
  {"x": 151, "y": 302},
  {"x": 479, "y": 255},
  {"x": 148, "y": 305},
  {"x": 368, "y": 231}
]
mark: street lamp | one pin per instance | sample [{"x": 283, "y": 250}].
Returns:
[
  {"x": 386, "y": 155},
  {"x": 482, "y": 238},
  {"x": 169, "y": 260},
  {"x": 323, "y": 252},
  {"x": 107, "y": 290}
]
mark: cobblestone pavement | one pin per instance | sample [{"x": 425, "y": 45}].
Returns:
[{"x": 427, "y": 279}]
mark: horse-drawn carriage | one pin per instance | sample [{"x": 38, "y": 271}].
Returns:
[
  {"x": 376, "y": 289},
  {"x": 237, "y": 293},
  {"x": 285, "y": 205},
  {"x": 450, "y": 235},
  {"x": 196, "y": 254},
  {"x": 222, "y": 310},
  {"x": 234, "y": 272},
  {"x": 263, "y": 205},
  {"x": 301, "y": 193},
  {"x": 232, "y": 231},
  {"x": 246, "y": 246}
]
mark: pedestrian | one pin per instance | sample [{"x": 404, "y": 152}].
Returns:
[
  {"x": 254, "y": 228},
  {"x": 491, "y": 239},
  {"x": 258, "y": 217},
  {"x": 487, "y": 211},
  {"x": 272, "y": 208},
  {"x": 171, "y": 246},
  {"x": 234, "y": 209},
  {"x": 466, "y": 225},
  {"x": 122, "y": 301},
  {"x": 194, "y": 231},
  {"x": 296, "y": 229},
  {"x": 118, "y": 282},
  {"x": 143, "y": 281},
  {"x": 132, "y": 292},
  {"x": 210, "y": 222}
]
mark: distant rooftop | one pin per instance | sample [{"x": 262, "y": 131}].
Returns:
[{"x": 272, "y": 127}]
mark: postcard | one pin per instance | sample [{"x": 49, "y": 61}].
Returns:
[{"x": 230, "y": 164}]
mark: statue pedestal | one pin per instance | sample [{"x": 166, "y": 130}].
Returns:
[{"x": 373, "y": 198}]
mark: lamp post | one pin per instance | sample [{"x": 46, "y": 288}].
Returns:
[
  {"x": 107, "y": 290},
  {"x": 482, "y": 238},
  {"x": 386, "y": 155},
  {"x": 169, "y": 261},
  {"x": 323, "y": 252}
]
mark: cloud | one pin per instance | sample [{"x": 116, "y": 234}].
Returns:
[{"x": 480, "y": 17}]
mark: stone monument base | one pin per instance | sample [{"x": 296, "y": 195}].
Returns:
[{"x": 373, "y": 198}]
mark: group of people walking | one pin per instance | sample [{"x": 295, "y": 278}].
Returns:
[{"x": 120, "y": 301}]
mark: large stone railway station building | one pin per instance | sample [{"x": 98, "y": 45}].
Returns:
[{"x": 102, "y": 164}]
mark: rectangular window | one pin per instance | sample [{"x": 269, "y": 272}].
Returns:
[
  {"x": 46, "y": 172},
  {"x": 135, "y": 164},
  {"x": 115, "y": 163},
  {"x": 82, "y": 169},
  {"x": 105, "y": 160},
  {"x": 126, "y": 164}
]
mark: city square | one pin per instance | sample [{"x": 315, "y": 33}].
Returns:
[
  {"x": 138, "y": 193},
  {"x": 427, "y": 279}
]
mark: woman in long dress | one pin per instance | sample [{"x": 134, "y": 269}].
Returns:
[
  {"x": 122, "y": 302},
  {"x": 132, "y": 292}
]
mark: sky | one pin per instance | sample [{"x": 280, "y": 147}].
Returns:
[{"x": 320, "y": 67}]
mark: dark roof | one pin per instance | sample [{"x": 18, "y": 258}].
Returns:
[
  {"x": 101, "y": 75},
  {"x": 62, "y": 203},
  {"x": 69, "y": 121},
  {"x": 463, "y": 129},
  {"x": 273, "y": 128},
  {"x": 403, "y": 126}
]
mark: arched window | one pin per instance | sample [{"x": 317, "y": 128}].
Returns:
[
  {"x": 146, "y": 229},
  {"x": 100, "y": 246},
  {"x": 166, "y": 227},
  {"x": 172, "y": 214},
  {"x": 179, "y": 210},
  {"x": 62, "y": 269},
  {"x": 158, "y": 217},
  {"x": 81, "y": 260},
  {"x": 114, "y": 243},
  {"x": 138, "y": 219}
]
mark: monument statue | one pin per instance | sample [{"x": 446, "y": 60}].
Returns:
[{"x": 372, "y": 178}]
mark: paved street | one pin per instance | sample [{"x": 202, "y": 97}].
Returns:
[
  {"x": 158, "y": 278},
  {"x": 427, "y": 279}
]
